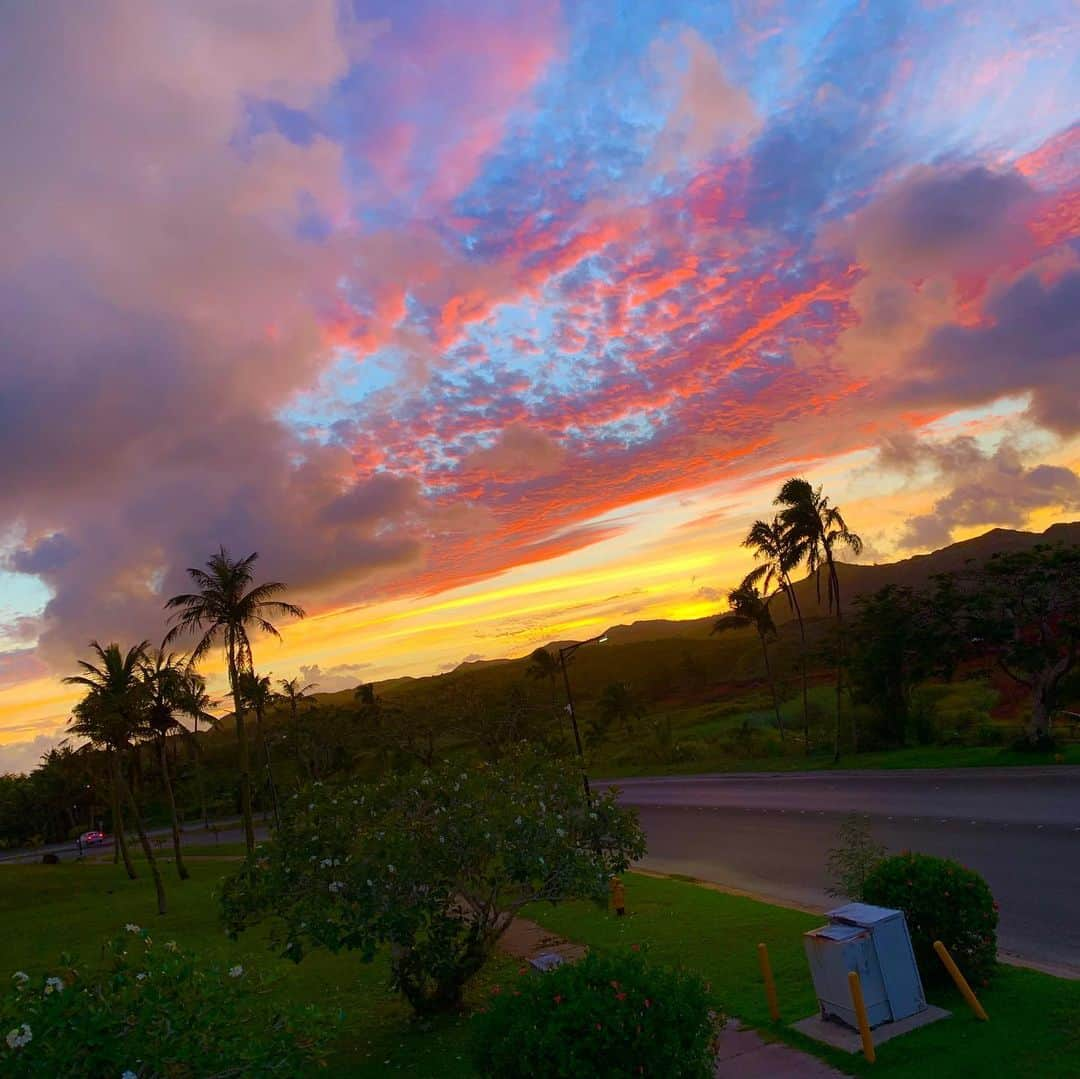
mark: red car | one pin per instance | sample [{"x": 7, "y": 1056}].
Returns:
[{"x": 92, "y": 839}]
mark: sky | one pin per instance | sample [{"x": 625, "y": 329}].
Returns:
[{"x": 488, "y": 323}]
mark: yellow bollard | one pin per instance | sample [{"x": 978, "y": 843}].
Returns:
[
  {"x": 961, "y": 982},
  {"x": 860, "y": 1011},
  {"x": 770, "y": 985}
]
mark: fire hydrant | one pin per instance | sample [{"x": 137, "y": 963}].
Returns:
[{"x": 618, "y": 896}]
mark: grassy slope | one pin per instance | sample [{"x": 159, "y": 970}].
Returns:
[
  {"x": 46, "y": 910},
  {"x": 1035, "y": 1019}
]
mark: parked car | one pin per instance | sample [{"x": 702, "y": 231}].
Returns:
[{"x": 92, "y": 839}]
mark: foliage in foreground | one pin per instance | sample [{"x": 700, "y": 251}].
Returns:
[
  {"x": 606, "y": 1015},
  {"x": 942, "y": 900},
  {"x": 153, "y": 1011},
  {"x": 433, "y": 864}
]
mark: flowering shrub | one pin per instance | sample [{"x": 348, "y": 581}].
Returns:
[
  {"x": 153, "y": 1011},
  {"x": 433, "y": 864},
  {"x": 604, "y": 1015},
  {"x": 941, "y": 901}
]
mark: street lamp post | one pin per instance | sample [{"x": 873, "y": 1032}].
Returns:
[{"x": 564, "y": 655}]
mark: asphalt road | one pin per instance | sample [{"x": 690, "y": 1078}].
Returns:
[
  {"x": 770, "y": 834},
  {"x": 192, "y": 834}
]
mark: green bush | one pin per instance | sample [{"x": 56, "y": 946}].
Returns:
[
  {"x": 433, "y": 864},
  {"x": 942, "y": 901},
  {"x": 606, "y": 1015},
  {"x": 153, "y": 1011}
]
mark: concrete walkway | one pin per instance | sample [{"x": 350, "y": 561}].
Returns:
[{"x": 742, "y": 1053}]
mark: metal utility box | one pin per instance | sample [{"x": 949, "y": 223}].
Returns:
[{"x": 874, "y": 942}]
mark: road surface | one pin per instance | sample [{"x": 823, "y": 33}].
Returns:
[
  {"x": 770, "y": 834},
  {"x": 192, "y": 834}
]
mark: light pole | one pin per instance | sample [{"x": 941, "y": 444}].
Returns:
[{"x": 564, "y": 654}]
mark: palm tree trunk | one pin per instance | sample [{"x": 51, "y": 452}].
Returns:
[
  {"x": 261, "y": 733},
  {"x": 245, "y": 765},
  {"x": 120, "y": 847},
  {"x": 802, "y": 664},
  {"x": 772, "y": 685},
  {"x": 181, "y": 869},
  {"x": 834, "y": 587},
  {"x": 144, "y": 839}
]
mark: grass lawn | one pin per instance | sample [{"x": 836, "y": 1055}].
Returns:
[
  {"x": 1034, "y": 1027},
  {"x": 46, "y": 910}
]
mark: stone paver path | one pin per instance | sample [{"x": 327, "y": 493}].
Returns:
[{"x": 742, "y": 1053}]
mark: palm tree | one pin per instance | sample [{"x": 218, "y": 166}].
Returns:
[
  {"x": 112, "y": 714},
  {"x": 294, "y": 694},
  {"x": 750, "y": 608},
  {"x": 196, "y": 702},
  {"x": 165, "y": 675},
  {"x": 779, "y": 551},
  {"x": 542, "y": 664},
  {"x": 225, "y": 606},
  {"x": 258, "y": 695},
  {"x": 819, "y": 528},
  {"x": 619, "y": 702}
]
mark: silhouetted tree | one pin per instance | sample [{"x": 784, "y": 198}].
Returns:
[
  {"x": 750, "y": 608},
  {"x": 258, "y": 696},
  {"x": 111, "y": 715},
  {"x": 817, "y": 529},
  {"x": 296, "y": 694},
  {"x": 223, "y": 610},
  {"x": 780, "y": 550},
  {"x": 544, "y": 665},
  {"x": 1025, "y": 607},
  {"x": 164, "y": 675}
]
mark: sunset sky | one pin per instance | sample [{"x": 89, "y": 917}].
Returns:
[{"x": 488, "y": 323}]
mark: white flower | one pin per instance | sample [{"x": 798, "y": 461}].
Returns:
[
  {"x": 54, "y": 985},
  {"x": 129, "y": 1074},
  {"x": 170, "y": 946},
  {"x": 369, "y": 884},
  {"x": 141, "y": 976},
  {"x": 390, "y": 869},
  {"x": 326, "y": 862},
  {"x": 336, "y": 886},
  {"x": 19, "y": 1037},
  {"x": 236, "y": 972},
  {"x": 131, "y": 927},
  {"x": 20, "y": 978}
]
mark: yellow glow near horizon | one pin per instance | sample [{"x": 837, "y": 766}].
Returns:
[{"x": 675, "y": 558}]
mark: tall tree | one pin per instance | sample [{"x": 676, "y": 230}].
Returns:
[
  {"x": 258, "y": 696},
  {"x": 750, "y": 608},
  {"x": 226, "y": 605},
  {"x": 780, "y": 550},
  {"x": 164, "y": 675},
  {"x": 818, "y": 528},
  {"x": 544, "y": 665},
  {"x": 295, "y": 693},
  {"x": 619, "y": 703},
  {"x": 113, "y": 714},
  {"x": 196, "y": 703},
  {"x": 1025, "y": 607}
]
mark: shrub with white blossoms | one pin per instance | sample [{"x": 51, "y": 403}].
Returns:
[
  {"x": 433, "y": 865},
  {"x": 151, "y": 1013}
]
